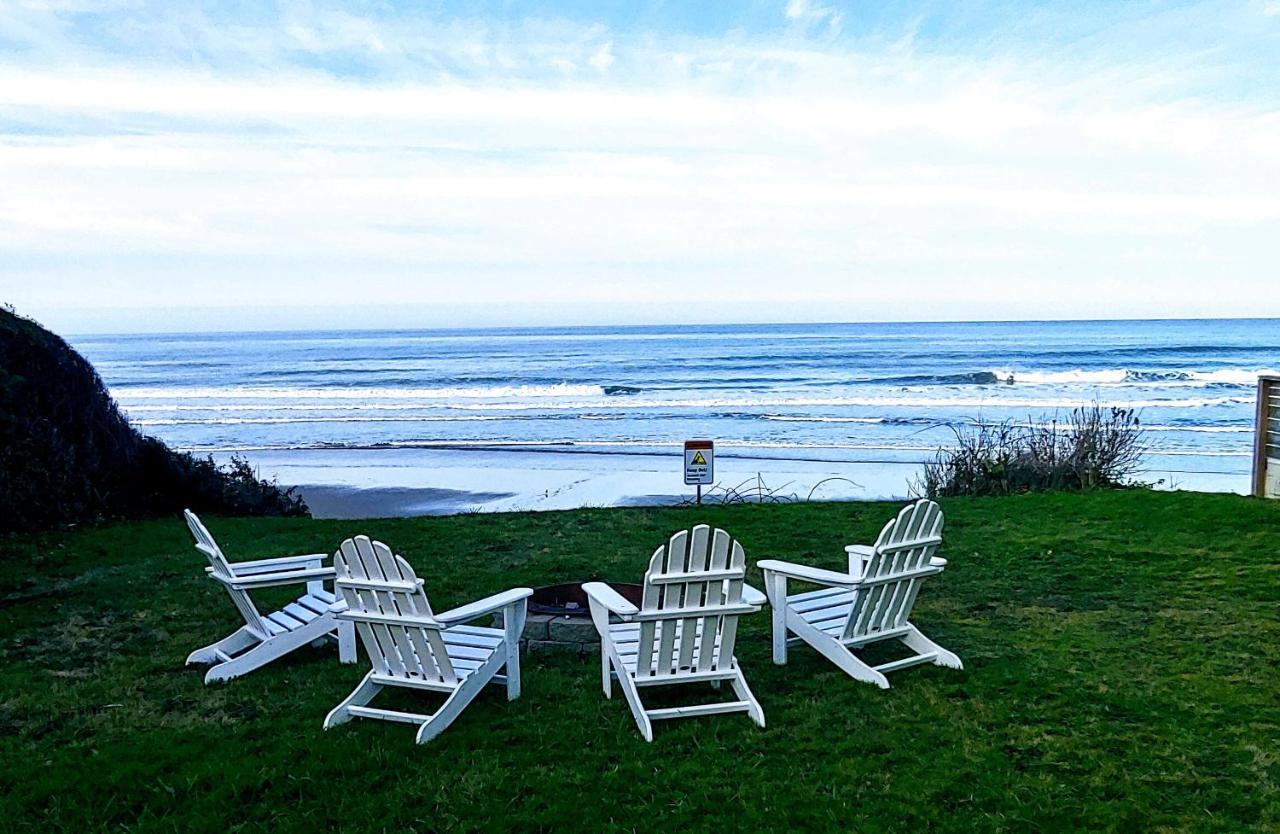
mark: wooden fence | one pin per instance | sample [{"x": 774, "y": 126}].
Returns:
[{"x": 1266, "y": 439}]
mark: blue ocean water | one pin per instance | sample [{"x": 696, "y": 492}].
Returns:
[{"x": 857, "y": 392}]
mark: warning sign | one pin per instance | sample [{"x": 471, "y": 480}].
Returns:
[{"x": 699, "y": 462}]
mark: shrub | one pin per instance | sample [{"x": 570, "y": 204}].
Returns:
[
  {"x": 67, "y": 454},
  {"x": 1095, "y": 448}
]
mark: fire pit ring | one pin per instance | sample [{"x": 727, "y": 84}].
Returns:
[
  {"x": 559, "y": 619},
  {"x": 569, "y": 600}
]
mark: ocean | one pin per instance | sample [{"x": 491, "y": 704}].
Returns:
[{"x": 409, "y": 409}]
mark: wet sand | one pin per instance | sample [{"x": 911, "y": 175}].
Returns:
[{"x": 372, "y": 483}]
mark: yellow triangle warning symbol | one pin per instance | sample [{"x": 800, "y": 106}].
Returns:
[{"x": 698, "y": 459}]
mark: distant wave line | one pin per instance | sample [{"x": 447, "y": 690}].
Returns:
[
  {"x": 273, "y": 421},
  {"x": 1243, "y": 377},
  {"x": 638, "y": 446},
  {"x": 636, "y": 402},
  {"x": 932, "y": 421},
  {"x": 444, "y": 393},
  {"x": 1121, "y": 376}
]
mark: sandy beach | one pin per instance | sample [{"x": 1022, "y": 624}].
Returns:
[{"x": 344, "y": 483}]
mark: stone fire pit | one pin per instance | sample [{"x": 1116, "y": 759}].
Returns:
[{"x": 559, "y": 619}]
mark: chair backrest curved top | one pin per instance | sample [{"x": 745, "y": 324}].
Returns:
[
  {"x": 690, "y": 604},
  {"x": 220, "y": 567},
  {"x": 389, "y": 606},
  {"x": 899, "y": 563}
]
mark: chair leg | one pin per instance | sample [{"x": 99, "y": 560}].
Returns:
[
  {"x": 629, "y": 689},
  {"x": 923, "y": 645},
  {"x": 255, "y": 658},
  {"x": 268, "y": 650},
  {"x": 458, "y": 700},
  {"x": 360, "y": 696},
  {"x": 606, "y": 673},
  {"x": 776, "y": 585},
  {"x": 234, "y": 643},
  {"x": 833, "y": 650},
  {"x": 512, "y": 665},
  {"x": 513, "y": 624},
  {"x": 740, "y": 688},
  {"x": 346, "y": 641}
]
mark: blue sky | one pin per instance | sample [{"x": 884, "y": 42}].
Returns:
[{"x": 190, "y": 166}]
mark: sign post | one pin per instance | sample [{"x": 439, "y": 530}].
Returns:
[{"x": 699, "y": 464}]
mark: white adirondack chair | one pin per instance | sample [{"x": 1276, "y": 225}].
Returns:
[
  {"x": 413, "y": 647},
  {"x": 311, "y": 618},
  {"x": 684, "y": 629},
  {"x": 872, "y": 602}
]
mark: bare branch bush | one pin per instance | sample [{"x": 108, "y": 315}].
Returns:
[
  {"x": 757, "y": 491},
  {"x": 1096, "y": 447}
]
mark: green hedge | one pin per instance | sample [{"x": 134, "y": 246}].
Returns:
[{"x": 68, "y": 455}]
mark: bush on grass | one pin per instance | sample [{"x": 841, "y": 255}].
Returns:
[
  {"x": 1094, "y": 448},
  {"x": 68, "y": 455}
]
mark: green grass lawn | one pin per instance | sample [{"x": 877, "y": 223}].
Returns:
[{"x": 1122, "y": 672}]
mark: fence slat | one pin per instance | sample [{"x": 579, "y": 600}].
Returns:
[{"x": 1266, "y": 439}]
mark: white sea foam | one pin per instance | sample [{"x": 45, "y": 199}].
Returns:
[
  {"x": 545, "y": 400},
  {"x": 1123, "y": 376},
  {"x": 134, "y": 408},
  {"x": 518, "y": 392},
  {"x": 477, "y": 418},
  {"x": 1233, "y": 376},
  {"x": 1204, "y": 429},
  {"x": 270, "y": 421},
  {"x": 799, "y": 418},
  {"x": 891, "y": 401},
  {"x": 1104, "y": 377},
  {"x": 640, "y": 445}
]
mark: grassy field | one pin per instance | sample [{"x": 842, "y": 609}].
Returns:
[{"x": 1122, "y": 657}]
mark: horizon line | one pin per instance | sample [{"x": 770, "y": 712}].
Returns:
[{"x": 645, "y": 326}]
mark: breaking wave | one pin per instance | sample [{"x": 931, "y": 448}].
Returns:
[
  {"x": 1121, "y": 376},
  {"x": 370, "y": 394}
]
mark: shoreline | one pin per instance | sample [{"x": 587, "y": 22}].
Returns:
[{"x": 415, "y": 481}]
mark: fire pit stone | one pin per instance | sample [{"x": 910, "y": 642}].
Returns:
[{"x": 559, "y": 619}]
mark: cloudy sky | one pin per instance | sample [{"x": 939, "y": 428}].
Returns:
[{"x": 175, "y": 165}]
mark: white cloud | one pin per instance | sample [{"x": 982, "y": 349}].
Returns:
[
  {"x": 772, "y": 175},
  {"x": 806, "y": 12},
  {"x": 603, "y": 58}
]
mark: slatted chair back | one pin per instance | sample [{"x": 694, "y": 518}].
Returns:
[
  {"x": 387, "y": 602},
  {"x": 222, "y": 568},
  {"x": 691, "y": 602},
  {"x": 899, "y": 563}
]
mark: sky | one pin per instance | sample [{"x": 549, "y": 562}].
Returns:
[{"x": 256, "y": 165}]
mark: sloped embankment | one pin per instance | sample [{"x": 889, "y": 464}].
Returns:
[{"x": 67, "y": 454}]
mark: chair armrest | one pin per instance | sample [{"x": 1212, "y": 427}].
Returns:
[
  {"x": 859, "y": 556},
  {"x": 937, "y": 562},
  {"x": 805, "y": 573},
  {"x": 411, "y": 620},
  {"x": 268, "y": 580},
  {"x": 751, "y": 596},
  {"x": 310, "y": 560},
  {"x": 598, "y": 593},
  {"x": 480, "y": 607}
]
